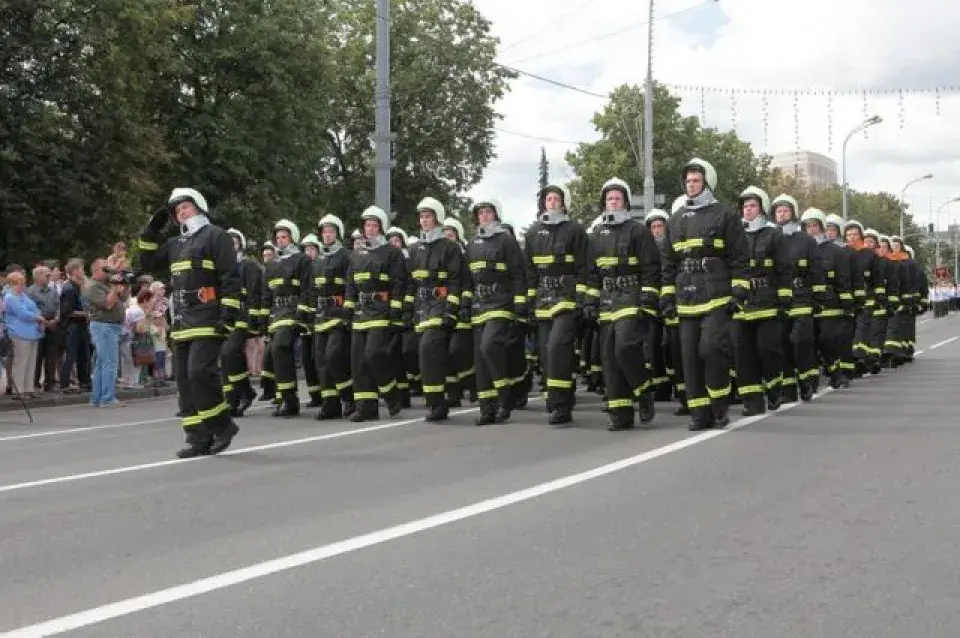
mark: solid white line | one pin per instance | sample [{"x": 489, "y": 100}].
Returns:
[
  {"x": 55, "y": 480},
  {"x": 943, "y": 343},
  {"x": 323, "y": 552}
]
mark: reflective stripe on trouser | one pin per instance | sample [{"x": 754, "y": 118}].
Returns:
[
  {"x": 625, "y": 373},
  {"x": 516, "y": 357},
  {"x": 233, "y": 362},
  {"x": 878, "y": 334},
  {"x": 675, "y": 361},
  {"x": 411, "y": 356},
  {"x": 200, "y": 388},
  {"x": 862, "y": 335},
  {"x": 849, "y": 328},
  {"x": 434, "y": 344},
  {"x": 830, "y": 339},
  {"x": 268, "y": 380},
  {"x": 758, "y": 357},
  {"x": 898, "y": 334},
  {"x": 707, "y": 355},
  {"x": 492, "y": 363},
  {"x": 374, "y": 372},
  {"x": 556, "y": 339},
  {"x": 460, "y": 370},
  {"x": 799, "y": 352},
  {"x": 284, "y": 364},
  {"x": 331, "y": 356},
  {"x": 654, "y": 353},
  {"x": 399, "y": 364},
  {"x": 309, "y": 365}
]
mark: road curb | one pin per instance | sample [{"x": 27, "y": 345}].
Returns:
[{"x": 56, "y": 399}]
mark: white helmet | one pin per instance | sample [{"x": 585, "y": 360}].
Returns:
[
  {"x": 429, "y": 203},
  {"x": 655, "y": 214},
  {"x": 310, "y": 240},
  {"x": 188, "y": 195},
  {"x": 268, "y": 245},
  {"x": 394, "y": 230},
  {"x": 703, "y": 166},
  {"x": 814, "y": 215},
  {"x": 290, "y": 227},
  {"x": 909, "y": 250},
  {"x": 870, "y": 232},
  {"x": 356, "y": 234},
  {"x": 454, "y": 223},
  {"x": 375, "y": 212},
  {"x": 491, "y": 202},
  {"x": 786, "y": 200},
  {"x": 835, "y": 220},
  {"x": 558, "y": 188},
  {"x": 412, "y": 241},
  {"x": 853, "y": 224},
  {"x": 332, "y": 220},
  {"x": 236, "y": 233},
  {"x": 615, "y": 184},
  {"x": 677, "y": 204},
  {"x": 755, "y": 192}
]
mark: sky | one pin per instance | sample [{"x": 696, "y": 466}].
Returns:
[{"x": 815, "y": 45}]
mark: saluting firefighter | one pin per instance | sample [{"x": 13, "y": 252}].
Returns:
[
  {"x": 236, "y": 385},
  {"x": 435, "y": 284},
  {"x": 757, "y": 340},
  {"x": 287, "y": 294},
  {"x": 836, "y": 301},
  {"x": 376, "y": 281},
  {"x": 801, "y": 369},
  {"x": 311, "y": 250},
  {"x": 460, "y": 374},
  {"x": 498, "y": 296},
  {"x": 557, "y": 250},
  {"x": 331, "y": 337},
  {"x": 623, "y": 286},
  {"x": 705, "y": 267},
  {"x": 205, "y": 284},
  {"x": 657, "y": 350},
  {"x": 834, "y": 232},
  {"x": 862, "y": 273}
]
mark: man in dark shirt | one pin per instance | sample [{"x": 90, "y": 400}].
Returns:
[{"x": 76, "y": 323}]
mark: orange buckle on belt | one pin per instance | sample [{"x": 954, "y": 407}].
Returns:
[
  {"x": 206, "y": 295},
  {"x": 338, "y": 299},
  {"x": 440, "y": 292},
  {"x": 382, "y": 296}
]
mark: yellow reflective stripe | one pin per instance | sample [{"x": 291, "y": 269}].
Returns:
[
  {"x": 593, "y": 292},
  {"x": 720, "y": 393},
  {"x": 143, "y": 244},
  {"x": 193, "y": 333},
  {"x": 756, "y": 315},
  {"x": 280, "y": 323},
  {"x": 396, "y": 305},
  {"x": 437, "y": 389},
  {"x": 425, "y": 274},
  {"x": 563, "y": 384},
  {"x": 370, "y": 324},
  {"x": 740, "y": 283},
  {"x": 697, "y": 242},
  {"x": 802, "y": 311},
  {"x": 819, "y": 288},
  {"x": 669, "y": 289},
  {"x": 486, "y": 265},
  {"x": 693, "y": 310},
  {"x": 650, "y": 289},
  {"x": 622, "y": 313},
  {"x": 484, "y": 317},
  {"x": 784, "y": 292},
  {"x": 327, "y": 325},
  {"x": 581, "y": 288},
  {"x": 230, "y": 302},
  {"x": 350, "y": 305},
  {"x": 455, "y": 300},
  {"x": 187, "y": 264},
  {"x": 235, "y": 378},
  {"x": 555, "y": 309},
  {"x": 365, "y": 396},
  {"x": 519, "y": 299},
  {"x": 432, "y": 322},
  {"x": 846, "y": 295},
  {"x": 803, "y": 263}
]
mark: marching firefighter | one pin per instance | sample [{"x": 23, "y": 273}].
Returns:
[
  {"x": 863, "y": 272},
  {"x": 883, "y": 285},
  {"x": 236, "y": 386},
  {"x": 836, "y": 297},
  {"x": 357, "y": 240},
  {"x": 704, "y": 284},
  {"x": 671, "y": 324},
  {"x": 591, "y": 363},
  {"x": 205, "y": 283},
  {"x": 376, "y": 281},
  {"x": 801, "y": 368},
  {"x": 557, "y": 250},
  {"x": 406, "y": 348},
  {"x": 897, "y": 341},
  {"x": 657, "y": 349},
  {"x": 311, "y": 250},
  {"x": 757, "y": 336},
  {"x": 460, "y": 374},
  {"x": 268, "y": 381},
  {"x": 516, "y": 341},
  {"x": 268, "y": 252},
  {"x": 331, "y": 338},
  {"x": 846, "y": 263},
  {"x": 892, "y": 268},
  {"x": 498, "y": 296},
  {"x": 622, "y": 290},
  {"x": 287, "y": 294},
  {"x": 435, "y": 284},
  {"x": 921, "y": 304}
]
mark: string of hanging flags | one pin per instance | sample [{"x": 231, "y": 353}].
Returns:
[{"x": 738, "y": 96}]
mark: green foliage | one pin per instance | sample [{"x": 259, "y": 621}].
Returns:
[
  {"x": 544, "y": 167},
  {"x": 677, "y": 139},
  {"x": 265, "y": 106}
]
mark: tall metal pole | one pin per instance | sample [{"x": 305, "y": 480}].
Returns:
[
  {"x": 383, "y": 136},
  {"x": 871, "y": 121},
  {"x": 903, "y": 195},
  {"x": 648, "y": 184}
]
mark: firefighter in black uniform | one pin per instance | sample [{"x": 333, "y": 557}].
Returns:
[
  {"x": 406, "y": 348},
  {"x": 376, "y": 282},
  {"x": 268, "y": 381},
  {"x": 557, "y": 249},
  {"x": 516, "y": 342},
  {"x": 311, "y": 249},
  {"x": 498, "y": 296},
  {"x": 704, "y": 283},
  {"x": 801, "y": 369},
  {"x": 236, "y": 386},
  {"x": 460, "y": 372},
  {"x": 862, "y": 273},
  {"x": 757, "y": 340},
  {"x": 834, "y": 232},
  {"x": 836, "y": 299},
  {"x": 205, "y": 282},
  {"x": 898, "y": 284},
  {"x": 287, "y": 294},
  {"x": 658, "y": 352},
  {"x": 435, "y": 284},
  {"x": 623, "y": 286},
  {"x": 331, "y": 337},
  {"x": 884, "y": 284}
]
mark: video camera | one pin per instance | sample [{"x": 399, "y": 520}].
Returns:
[{"x": 125, "y": 277}]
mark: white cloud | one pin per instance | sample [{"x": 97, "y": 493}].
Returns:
[{"x": 759, "y": 44}]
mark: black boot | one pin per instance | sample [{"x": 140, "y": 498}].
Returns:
[
  {"x": 331, "y": 409},
  {"x": 223, "y": 439},
  {"x": 647, "y": 408},
  {"x": 198, "y": 444},
  {"x": 621, "y": 419},
  {"x": 753, "y": 406},
  {"x": 806, "y": 391},
  {"x": 486, "y": 417},
  {"x": 289, "y": 406},
  {"x": 437, "y": 412},
  {"x": 774, "y": 400},
  {"x": 721, "y": 414},
  {"x": 700, "y": 419},
  {"x": 560, "y": 417},
  {"x": 349, "y": 408},
  {"x": 366, "y": 410},
  {"x": 315, "y": 400}
]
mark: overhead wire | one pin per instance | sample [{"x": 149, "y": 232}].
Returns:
[{"x": 540, "y": 27}]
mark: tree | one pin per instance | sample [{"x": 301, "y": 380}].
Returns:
[
  {"x": 544, "y": 169},
  {"x": 677, "y": 139}
]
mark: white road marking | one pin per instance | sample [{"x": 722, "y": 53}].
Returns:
[
  {"x": 943, "y": 343},
  {"x": 323, "y": 552},
  {"x": 55, "y": 480}
]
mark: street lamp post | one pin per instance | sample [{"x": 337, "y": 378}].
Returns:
[
  {"x": 936, "y": 225},
  {"x": 867, "y": 123},
  {"x": 903, "y": 194},
  {"x": 649, "y": 187}
]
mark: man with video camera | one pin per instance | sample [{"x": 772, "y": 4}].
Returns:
[{"x": 106, "y": 295}]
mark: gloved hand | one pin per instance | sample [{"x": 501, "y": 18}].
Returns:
[
  {"x": 158, "y": 220},
  {"x": 463, "y": 313},
  {"x": 396, "y": 317},
  {"x": 668, "y": 307},
  {"x": 783, "y": 307},
  {"x": 590, "y": 314},
  {"x": 734, "y": 306}
]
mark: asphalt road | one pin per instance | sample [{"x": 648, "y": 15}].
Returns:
[{"x": 836, "y": 518}]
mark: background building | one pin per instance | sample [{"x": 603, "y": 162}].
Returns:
[{"x": 812, "y": 169}]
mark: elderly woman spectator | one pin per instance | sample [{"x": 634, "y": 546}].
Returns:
[
  {"x": 138, "y": 322},
  {"x": 24, "y": 324}
]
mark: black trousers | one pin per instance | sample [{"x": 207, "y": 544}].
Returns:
[
  {"x": 492, "y": 363},
  {"x": 674, "y": 363},
  {"x": 625, "y": 371},
  {"x": 460, "y": 373},
  {"x": 556, "y": 340},
  {"x": 706, "y": 356},
  {"x": 331, "y": 356},
  {"x": 374, "y": 372},
  {"x": 200, "y": 389},
  {"x": 284, "y": 363},
  {"x": 758, "y": 354},
  {"x": 800, "y": 353},
  {"x": 233, "y": 362},
  {"x": 48, "y": 356},
  {"x": 831, "y": 333},
  {"x": 434, "y": 363},
  {"x": 307, "y": 353}
]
